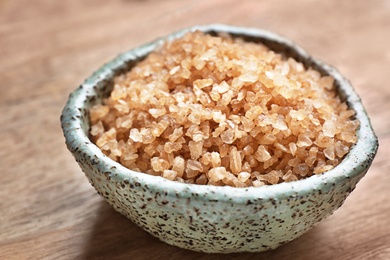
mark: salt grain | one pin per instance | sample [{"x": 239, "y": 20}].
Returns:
[
  {"x": 195, "y": 149},
  {"x": 243, "y": 176},
  {"x": 262, "y": 154},
  {"x": 217, "y": 174},
  {"x": 135, "y": 135},
  {"x": 178, "y": 165},
  {"x": 235, "y": 160},
  {"x": 169, "y": 174},
  {"x": 329, "y": 128}
]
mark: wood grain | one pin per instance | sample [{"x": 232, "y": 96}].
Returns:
[{"x": 48, "y": 210}]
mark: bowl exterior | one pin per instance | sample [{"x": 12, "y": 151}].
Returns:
[
  {"x": 204, "y": 223},
  {"x": 207, "y": 218}
]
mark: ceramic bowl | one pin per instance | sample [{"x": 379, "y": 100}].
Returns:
[{"x": 208, "y": 218}]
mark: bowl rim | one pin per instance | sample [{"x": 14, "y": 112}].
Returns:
[{"x": 355, "y": 164}]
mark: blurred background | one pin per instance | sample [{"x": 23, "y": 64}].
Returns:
[{"x": 47, "y": 48}]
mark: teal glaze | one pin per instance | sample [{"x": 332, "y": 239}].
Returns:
[{"x": 208, "y": 218}]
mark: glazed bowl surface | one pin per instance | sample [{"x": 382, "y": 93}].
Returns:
[{"x": 209, "y": 218}]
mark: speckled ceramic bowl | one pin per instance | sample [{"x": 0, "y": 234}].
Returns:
[{"x": 209, "y": 218}]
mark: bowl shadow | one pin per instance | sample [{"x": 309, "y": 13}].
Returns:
[{"x": 113, "y": 236}]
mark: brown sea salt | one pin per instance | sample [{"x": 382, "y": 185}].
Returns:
[{"x": 215, "y": 110}]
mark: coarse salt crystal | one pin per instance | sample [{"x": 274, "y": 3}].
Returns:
[
  {"x": 135, "y": 135},
  {"x": 243, "y": 176},
  {"x": 329, "y": 128},
  {"x": 262, "y": 154}
]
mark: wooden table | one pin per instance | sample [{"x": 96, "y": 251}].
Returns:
[{"x": 48, "y": 210}]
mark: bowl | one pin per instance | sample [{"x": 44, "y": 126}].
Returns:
[{"x": 209, "y": 218}]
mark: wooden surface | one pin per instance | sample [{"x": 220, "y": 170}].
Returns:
[{"x": 48, "y": 210}]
